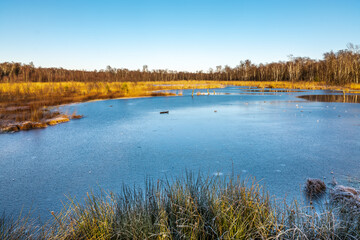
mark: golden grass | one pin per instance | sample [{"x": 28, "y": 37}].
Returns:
[
  {"x": 354, "y": 86},
  {"x": 57, "y": 120},
  {"x": 82, "y": 91},
  {"x": 293, "y": 85},
  {"x": 98, "y": 89}
]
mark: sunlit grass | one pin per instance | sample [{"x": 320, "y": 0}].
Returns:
[
  {"x": 84, "y": 90},
  {"x": 190, "y": 208},
  {"x": 293, "y": 85}
]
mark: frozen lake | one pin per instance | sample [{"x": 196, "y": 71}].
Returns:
[{"x": 274, "y": 136}]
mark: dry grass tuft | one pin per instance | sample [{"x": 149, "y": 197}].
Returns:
[{"x": 315, "y": 187}]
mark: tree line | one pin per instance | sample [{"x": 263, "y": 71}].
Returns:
[{"x": 338, "y": 68}]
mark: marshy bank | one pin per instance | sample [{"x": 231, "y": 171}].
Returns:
[
  {"x": 25, "y": 106},
  {"x": 193, "y": 207},
  {"x": 29, "y": 105}
]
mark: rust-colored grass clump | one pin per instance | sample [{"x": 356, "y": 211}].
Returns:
[{"x": 315, "y": 187}]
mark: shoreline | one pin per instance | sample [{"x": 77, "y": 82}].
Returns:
[
  {"x": 146, "y": 91},
  {"x": 26, "y": 125},
  {"x": 13, "y": 127},
  {"x": 29, "y": 125}
]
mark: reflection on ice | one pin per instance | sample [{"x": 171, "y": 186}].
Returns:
[{"x": 345, "y": 98}]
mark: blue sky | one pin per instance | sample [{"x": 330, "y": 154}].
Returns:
[{"x": 178, "y": 35}]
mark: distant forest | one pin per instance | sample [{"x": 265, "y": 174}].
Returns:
[{"x": 340, "y": 68}]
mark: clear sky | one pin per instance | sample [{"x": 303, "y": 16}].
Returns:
[{"x": 179, "y": 35}]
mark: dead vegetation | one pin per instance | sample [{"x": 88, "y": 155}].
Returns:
[
  {"x": 315, "y": 187},
  {"x": 346, "y": 195}
]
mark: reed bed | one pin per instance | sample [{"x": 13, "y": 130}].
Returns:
[
  {"x": 84, "y": 90},
  {"x": 193, "y": 207}
]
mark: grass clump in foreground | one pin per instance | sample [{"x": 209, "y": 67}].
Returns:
[{"x": 191, "y": 208}]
